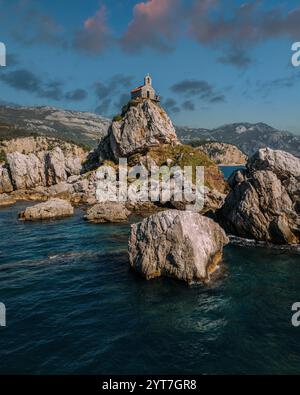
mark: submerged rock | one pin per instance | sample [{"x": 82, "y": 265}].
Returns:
[
  {"x": 179, "y": 244},
  {"x": 107, "y": 212},
  {"x": 264, "y": 201},
  {"x": 53, "y": 208}
]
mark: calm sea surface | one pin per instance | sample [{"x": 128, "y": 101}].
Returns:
[{"x": 74, "y": 307}]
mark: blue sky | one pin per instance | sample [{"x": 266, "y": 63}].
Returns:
[{"x": 212, "y": 61}]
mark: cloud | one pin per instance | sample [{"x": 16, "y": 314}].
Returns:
[
  {"x": 12, "y": 60},
  {"x": 197, "y": 88},
  {"x": 188, "y": 105},
  {"x": 95, "y": 36},
  {"x": 22, "y": 80},
  {"x": 243, "y": 27},
  {"x": 115, "y": 84},
  {"x": 101, "y": 90},
  {"x": 266, "y": 87},
  {"x": 103, "y": 107},
  {"x": 171, "y": 106},
  {"x": 76, "y": 95},
  {"x": 154, "y": 25},
  {"x": 33, "y": 26},
  {"x": 113, "y": 87},
  {"x": 26, "y": 81},
  {"x": 236, "y": 57},
  {"x": 123, "y": 99}
]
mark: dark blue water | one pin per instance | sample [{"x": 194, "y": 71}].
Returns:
[
  {"x": 74, "y": 307},
  {"x": 227, "y": 170}
]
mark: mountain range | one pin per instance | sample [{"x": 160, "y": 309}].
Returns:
[
  {"x": 82, "y": 128},
  {"x": 86, "y": 129},
  {"x": 248, "y": 137}
]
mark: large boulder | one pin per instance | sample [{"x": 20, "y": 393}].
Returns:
[
  {"x": 53, "y": 208},
  {"x": 179, "y": 244},
  {"x": 264, "y": 201},
  {"x": 142, "y": 124},
  {"x": 107, "y": 212}
]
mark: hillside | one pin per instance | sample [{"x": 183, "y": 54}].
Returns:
[
  {"x": 87, "y": 129},
  {"x": 246, "y": 136},
  {"x": 79, "y": 127},
  {"x": 223, "y": 153}
]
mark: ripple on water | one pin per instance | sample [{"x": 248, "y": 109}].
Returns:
[{"x": 73, "y": 306}]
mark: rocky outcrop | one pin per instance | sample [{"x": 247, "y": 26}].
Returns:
[
  {"x": 53, "y": 208},
  {"x": 215, "y": 188},
  {"x": 5, "y": 180},
  {"x": 264, "y": 201},
  {"x": 178, "y": 244},
  {"x": 223, "y": 154},
  {"x": 6, "y": 200},
  {"x": 42, "y": 168},
  {"x": 26, "y": 171},
  {"x": 107, "y": 212},
  {"x": 142, "y": 124}
]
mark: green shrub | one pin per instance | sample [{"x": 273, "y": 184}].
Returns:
[
  {"x": 117, "y": 118},
  {"x": 2, "y": 156}
]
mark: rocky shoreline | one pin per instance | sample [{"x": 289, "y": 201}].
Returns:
[
  {"x": 241, "y": 242},
  {"x": 259, "y": 206}
]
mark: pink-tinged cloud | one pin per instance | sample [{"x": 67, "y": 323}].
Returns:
[
  {"x": 248, "y": 23},
  {"x": 243, "y": 27},
  {"x": 155, "y": 24},
  {"x": 94, "y": 36}
]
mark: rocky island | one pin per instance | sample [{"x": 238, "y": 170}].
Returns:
[{"x": 259, "y": 203}]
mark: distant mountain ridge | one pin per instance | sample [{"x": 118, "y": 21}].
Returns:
[
  {"x": 87, "y": 129},
  {"x": 82, "y": 128},
  {"x": 248, "y": 137}
]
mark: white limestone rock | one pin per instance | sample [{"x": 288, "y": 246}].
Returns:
[
  {"x": 53, "y": 208},
  {"x": 179, "y": 244}
]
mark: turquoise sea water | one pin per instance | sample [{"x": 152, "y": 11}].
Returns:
[
  {"x": 74, "y": 307},
  {"x": 227, "y": 170}
]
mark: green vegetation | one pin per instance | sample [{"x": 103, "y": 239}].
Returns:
[
  {"x": 180, "y": 155},
  {"x": 117, "y": 118},
  {"x": 2, "y": 156},
  {"x": 184, "y": 155},
  {"x": 199, "y": 143}
]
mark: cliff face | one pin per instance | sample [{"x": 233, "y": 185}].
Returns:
[
  {"x": 31, "y": 162},
  {"x": 35, "y": 144},
  {"x": 264, "y": 202},
  {"x": 224, "y": 154},
  {"x": 142, "y": 124}
]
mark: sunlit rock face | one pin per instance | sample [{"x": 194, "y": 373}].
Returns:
[
  {"x": 264, "y": 201},
  {"x": 53, "y": 208},
  {"x": 142, "y": 124},
  {"x": 179, "y": 244}
]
